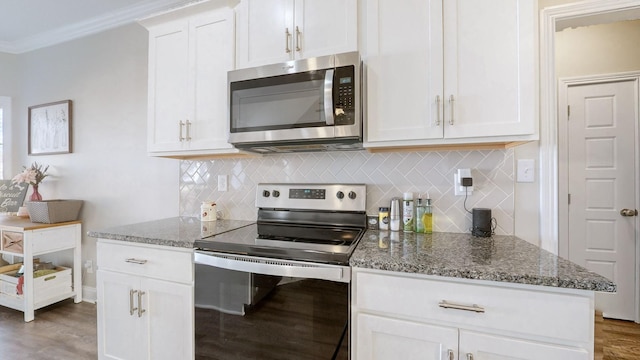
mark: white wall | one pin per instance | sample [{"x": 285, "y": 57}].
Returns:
[
  {"x": 8, "y": 89},
  {"x": 105, "y": 76}
]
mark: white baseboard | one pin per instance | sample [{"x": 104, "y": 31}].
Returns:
[{"x": 89, "y": 294}]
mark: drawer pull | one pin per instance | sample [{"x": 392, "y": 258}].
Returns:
[
  {"x": 469, "y": 356},
  {"x": 49, "y": 278},
  {"x": 450, "y": 353},
  {"x": 448, "y": 305},
  {"x": 136, "y": 261}
]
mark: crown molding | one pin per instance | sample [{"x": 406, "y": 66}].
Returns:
[{"x": 89, "y": 26}]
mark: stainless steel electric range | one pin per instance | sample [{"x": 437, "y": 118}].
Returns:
[{"x": 278, "y": 289}]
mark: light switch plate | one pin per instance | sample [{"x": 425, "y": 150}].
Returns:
[
  {"x": 222, "y": 183},
  {"x": 526, "y": 171}
]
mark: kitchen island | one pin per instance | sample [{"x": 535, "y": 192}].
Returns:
[{"x": 455, "y": 296}]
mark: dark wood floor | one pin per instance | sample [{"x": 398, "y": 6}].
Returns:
[{"x": 67, "y": 331}]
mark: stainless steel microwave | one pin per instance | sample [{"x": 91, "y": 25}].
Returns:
[{"x": 302, "y": 105}]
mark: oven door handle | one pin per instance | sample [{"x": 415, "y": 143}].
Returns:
[
  {"x": 276, "y": 267},
  {"x": 328, "y": 97}
]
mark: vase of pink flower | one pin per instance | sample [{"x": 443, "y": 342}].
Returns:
[{"x": 32, "y": 175}]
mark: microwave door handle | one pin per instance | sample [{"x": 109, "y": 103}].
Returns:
[{"x": 328, "y": 97}]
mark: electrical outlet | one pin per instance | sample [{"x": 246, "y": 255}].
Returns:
[
  {"x": 88, "y": 264},
  {"x": 222, "y": 183},
  {"x": 458, "y": 189}
]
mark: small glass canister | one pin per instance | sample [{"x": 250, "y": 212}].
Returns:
[
  {"x": 383, "y": 218},
  {"x": 208, "y": 211}
]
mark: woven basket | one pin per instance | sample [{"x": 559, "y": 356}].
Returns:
[{"x": 54, "y": 211}]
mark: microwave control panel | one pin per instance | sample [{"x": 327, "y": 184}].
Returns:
[{"x": 344, "y": 95}]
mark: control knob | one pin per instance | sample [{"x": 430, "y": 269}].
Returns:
[
  {"x": 266, "y": 193},
  {"x": 340, "y": 195},
  {"x": 276, "y": 193},
  {"x": 352, "y": 195}
]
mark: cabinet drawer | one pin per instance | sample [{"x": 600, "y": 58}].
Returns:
[
  {"x": 541, "y": 313},
  {"x": 53, "y": 239},
  {"x": 12, "y": 241},
  {"x": 160, "y": 262}
]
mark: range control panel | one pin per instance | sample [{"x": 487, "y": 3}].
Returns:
[{"x": 337, "y": 197}]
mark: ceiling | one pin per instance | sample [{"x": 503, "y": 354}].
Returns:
[{"x": 27, "y": 25}]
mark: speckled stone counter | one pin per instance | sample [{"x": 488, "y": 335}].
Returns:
[
  {"x": 177, "y": 231},
  {"x": 499, "y": 258}
]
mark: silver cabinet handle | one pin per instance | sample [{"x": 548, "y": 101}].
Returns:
[
  {"x": 450, "y": 353},
  {"x": 287, "y": 39},
  {"x": 140, "y": 309},
  {"x": 452, "y": 106},
  {"x": 188, "y": 124},
  {"x": 136, "y": 261},
  {"x": 438, "y": 103},
  {"x": 469, "y": 356},
  {"x": 298, "y": 41},
  {"x": 447, "y": 305},
  {"x": 629, "y": 212},
  {"x": 131, "y": 308},
  {"x": 180, "y": 125}
]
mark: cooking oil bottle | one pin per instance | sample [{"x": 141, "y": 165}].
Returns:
[
  {"x": 427, "y": 217},
  {"x": 420, "y": 209}
]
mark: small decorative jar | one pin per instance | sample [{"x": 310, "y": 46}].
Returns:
[{"x": 208, "y": 211}]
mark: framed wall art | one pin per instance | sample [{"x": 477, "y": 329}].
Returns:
[{"x": 50, "y": 128}]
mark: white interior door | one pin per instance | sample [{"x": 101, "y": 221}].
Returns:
[{"x": 601, "y": 139}]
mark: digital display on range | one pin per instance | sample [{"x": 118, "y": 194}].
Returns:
[{"x": 307, "y": 194}]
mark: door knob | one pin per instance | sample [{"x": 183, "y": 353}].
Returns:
[{"x": 629, "y": 212}]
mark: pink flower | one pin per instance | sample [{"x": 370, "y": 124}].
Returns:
[{"x": 32, "y": 175}]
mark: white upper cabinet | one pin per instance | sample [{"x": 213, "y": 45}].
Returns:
[
  {"x": 273, "y": 31},
  {"x": 189, "y": 56},
  {"x": 450, "y": 72}
]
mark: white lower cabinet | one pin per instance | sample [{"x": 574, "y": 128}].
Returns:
[
  {"x": 409, "y": 316},
  {"x": 387, "y": 338},
  {"x": 145, "y": 302}
]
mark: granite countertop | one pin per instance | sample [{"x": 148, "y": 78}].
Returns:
[
  {"x": 498, "y": 258},
  {"x": 177, "y": 232}
]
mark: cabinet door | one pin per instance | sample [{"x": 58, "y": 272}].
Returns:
[
  {"x": 491, "y": 347},
  {"x": 490, "y": 67},
  {"x": 265, "y": 32},
  {"x": 403, "y": 62},
  {"x": 168, "y": 85},
  {"x": 121, "y": 335},
  {"x": 170, "y": 319},
  {"x": 211, "y": 56},
  {"x": 325, "y": 27},
  {"x": 385, "y": 338}
]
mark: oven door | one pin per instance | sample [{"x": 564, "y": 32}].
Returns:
[{"x": 260, "y": 308}]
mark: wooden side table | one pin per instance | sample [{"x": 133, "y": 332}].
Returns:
[{"x": 40, "y": 239}]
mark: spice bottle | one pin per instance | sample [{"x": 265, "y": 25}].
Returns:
[
  {"x": 383, "y": 218},
  {"x": 407, "y": 212}
]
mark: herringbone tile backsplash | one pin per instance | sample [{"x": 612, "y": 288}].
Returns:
[{"x": 386, "y": 175}]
